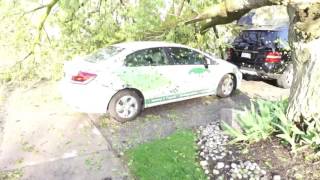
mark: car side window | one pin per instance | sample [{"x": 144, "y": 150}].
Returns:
[
  {"x": 147, "y": 57},
  {"x": 198, "y": 58},
  {"x": 184, "y": 56}
]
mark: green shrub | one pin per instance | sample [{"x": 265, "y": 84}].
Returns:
[
  {"x": 256, "y": 123},
  {"x": 297, "y": 139},
  {"x": 266, "y": 119}
]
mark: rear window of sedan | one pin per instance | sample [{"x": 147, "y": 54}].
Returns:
[{"x": 103, "y": 54}]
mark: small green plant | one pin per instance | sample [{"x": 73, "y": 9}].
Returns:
[
  {"x": 312, "y": 136},
  {"x": 151, "y": 117},
  {"x": 297, "y": 138},
  {"x": 256, "y": 123},
  {"x": 11, "y": 175},
  {"x": 174, "y": 116},
  {"x": 287, "y": 130},
  {"x": 93, "y": 163},
  {"x": 27, "y": 147}
]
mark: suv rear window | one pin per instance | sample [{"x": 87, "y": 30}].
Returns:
[{"x": 261, "y": 37}]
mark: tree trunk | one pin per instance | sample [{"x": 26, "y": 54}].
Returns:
[
  {"x": 216, "y": 33},
  {"x": 304, "y": 100}
]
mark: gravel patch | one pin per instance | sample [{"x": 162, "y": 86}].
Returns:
[{"x": 219, "y": 159}]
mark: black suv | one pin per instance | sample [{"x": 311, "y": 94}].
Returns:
[{"x": 263, "y": 52}]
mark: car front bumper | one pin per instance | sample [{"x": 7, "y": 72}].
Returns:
[{"x": 88, "y": 98}]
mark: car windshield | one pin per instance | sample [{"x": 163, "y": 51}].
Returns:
[{"x": 103, "y": 54}]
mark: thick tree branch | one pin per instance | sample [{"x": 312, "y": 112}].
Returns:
[
  {"x": 36, "y": 9},
  {"x": 232, "y": 16},
  {"x": 229, "y": 10}
]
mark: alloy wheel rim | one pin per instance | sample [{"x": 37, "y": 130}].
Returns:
[
  {"x": 227, "y": 86},
  {"x": 127, "y": 107}
]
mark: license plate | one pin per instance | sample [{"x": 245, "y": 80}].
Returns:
[{"x": 246, "y": 55}]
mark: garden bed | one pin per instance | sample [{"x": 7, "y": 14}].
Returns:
[
  {"x": 269, "y": 159},
  {"x": 263, "y": 145},
  {"x": 278, "y": 160},
  {"x": 176, "y": 157}
]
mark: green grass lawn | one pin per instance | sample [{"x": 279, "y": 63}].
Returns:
[{"x": 171, "y": 158}]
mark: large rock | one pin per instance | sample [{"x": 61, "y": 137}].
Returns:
[{"x": 230, "y": 116}]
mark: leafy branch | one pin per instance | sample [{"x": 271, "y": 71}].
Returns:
[
  {"x": 36, "y": 42},
  {"x": 42, "y": 22}
]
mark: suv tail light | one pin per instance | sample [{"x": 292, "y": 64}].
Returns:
[
  {"x": 273, "y": 57},
  {"x": 229, "y": 53},
  {"x": 83, "y": 77}
]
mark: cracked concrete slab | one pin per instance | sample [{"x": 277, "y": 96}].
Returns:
[
  {"x": 96, "y": 166},
  {"x": 47, "y": 140}
]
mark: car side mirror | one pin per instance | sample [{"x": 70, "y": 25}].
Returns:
[{"x": 206, "y": 65}]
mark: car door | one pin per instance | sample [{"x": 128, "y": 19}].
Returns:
[
  {"x": 150, "y": 71},
  {"x": 192, "y": 72}
]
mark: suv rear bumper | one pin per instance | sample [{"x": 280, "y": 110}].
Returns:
[{"x": 260, "y": 73}]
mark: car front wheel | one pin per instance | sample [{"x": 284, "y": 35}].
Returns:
[
  {"x": 125, "y": 106},
  {"x": 226, "y": 86}
]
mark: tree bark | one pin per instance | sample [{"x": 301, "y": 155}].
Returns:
[
  {"x": 304, "y": 37},
  {"x": 216, "y": 33},
  {"x": 304, "y": 100}
]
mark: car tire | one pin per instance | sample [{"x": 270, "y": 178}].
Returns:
[
  {"x": 125, "y": 106},
  {"x": 286, "y": 78},
  {"x": 226, "y": 86}
]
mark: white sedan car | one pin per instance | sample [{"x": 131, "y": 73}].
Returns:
[{"x": 122, "y": 79}]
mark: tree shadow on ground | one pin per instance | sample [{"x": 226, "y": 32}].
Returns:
[
  {"x": 161, "y": 121},
  {"x": 272, "y": 82}
]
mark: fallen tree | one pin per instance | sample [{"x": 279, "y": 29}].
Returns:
[{"x": 304, "y": 39}]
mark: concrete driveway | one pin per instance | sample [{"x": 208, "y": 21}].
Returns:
[{"x": 43, "y": 138}]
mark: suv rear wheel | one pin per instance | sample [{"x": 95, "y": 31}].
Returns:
[
  {"x": 125, "y": 106},
  {"x": 286, "y": 79}
]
